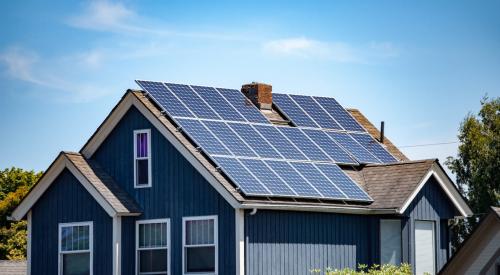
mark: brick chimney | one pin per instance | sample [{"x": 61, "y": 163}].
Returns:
[{"x": 260, "y": 94}]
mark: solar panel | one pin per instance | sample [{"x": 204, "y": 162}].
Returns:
[
  {"x": 349, "y": 144},
  {"x": 301, "y": 141},
  {"x": 225, "y": 110},
  {"x": 202, "y": 137},
  {"x": 318, "y": 180},
  {"x": 293, "y": 179},
  {"x": 282, "y": 145},
  {"x": 293, "y": 111},
  {"x": 339, "y": 114},
  {"x": 192, "y": 101},
  {"x": 316, "y": 112},
  {"x": 165, "y": 98},
  {"x": 345, "y": 183},
  {"x": 268, "y": 178},
  {"x": 333, "y": 150},
  {"x": 229, "y": 138},
  {"x": 260, "y": 145},
  {"x": 241, "y": 177},
  {"x": 374, "y": 147},
  {"x": 241, "y": 103}
]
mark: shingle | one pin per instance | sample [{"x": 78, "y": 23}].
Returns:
[{"x": 121, "y": 202}]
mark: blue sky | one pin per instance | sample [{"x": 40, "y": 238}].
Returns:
[{"x": 421, "y": 66}]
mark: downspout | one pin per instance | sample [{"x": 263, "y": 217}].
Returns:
[{"x": 254, "y": 211}]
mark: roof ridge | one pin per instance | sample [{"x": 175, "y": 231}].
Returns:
[{"x": 431, "y": 160}]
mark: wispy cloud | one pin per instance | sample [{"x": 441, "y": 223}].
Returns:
[
  {"x": 334, "y": 51},
  {"x": 27, "y": 66}
]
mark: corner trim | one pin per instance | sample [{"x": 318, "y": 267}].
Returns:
[
  {"x": 28, "y": 252},
  {"x": 240, "y": 241},
  {"x": 117, "y": 245}
]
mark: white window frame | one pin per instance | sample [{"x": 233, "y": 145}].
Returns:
[
  {"x": 168, "y": 247},
  {"x": 148, "y": 133},
  {"x": 216, "y": 243},
  {"x": 401, "y": 238},
  {"x": 90, "y": 224}
]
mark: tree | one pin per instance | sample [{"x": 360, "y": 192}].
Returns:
[
  {"x": 477, "y": 165},
  {"x": 15, "y": 183}
]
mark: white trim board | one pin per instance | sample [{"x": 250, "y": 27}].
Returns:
[
  {"x": 240, "y": 241},
  {"x": 29, "y": 240},
  {"x": 117, "y": 245},
  {"x": 448, "y": 187}
]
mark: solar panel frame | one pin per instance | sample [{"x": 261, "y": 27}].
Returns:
[
  {"x": 339, "y": 113},
  {"x": 294, "y": 179},
  {"x": 349, "y": 187},
  {"x": 268, "y": 177},
  {"x": 330, "y": 146},
  {"x": 353, "y": 147},
  {"x": 193, "y": 101},
  {"x": 256, "y": 140},
  {"x": 159, "y": 93},
  {"x": 249, "y": 111},
  {"x": 286, "y": 105},
  {"x": 281, "y": 143},
  {"x": 316, "y": 112},
  {"x": 230, "y": 139},
  {"x": 218, "y": 103},
  {"x": 241, "y": 177},
  {"x": 312, "y": 151},
  {"x": 197, "y": 132},
  {"x": 374, "y": 147},
  {"x": 317, "y": 179}
]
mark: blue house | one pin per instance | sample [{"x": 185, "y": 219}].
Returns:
[{"x": 183, "y": 179}]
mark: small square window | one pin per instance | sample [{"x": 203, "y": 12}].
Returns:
[{"x": 142, "y": 158}]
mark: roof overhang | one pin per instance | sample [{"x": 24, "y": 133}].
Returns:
[
  {"x": 448, "y": 187},
  {"x": 54, "y": 170},
  {"x": 320, "y": 208}
]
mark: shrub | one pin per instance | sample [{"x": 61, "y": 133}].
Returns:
[{"x": 403, "y": 269}]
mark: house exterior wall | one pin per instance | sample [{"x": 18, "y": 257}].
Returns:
[
  {"x": 177, "y": 191},
  {"x": 279, "y": 242},
  {"x": 430, "y": 204},
  {"x": 67, "y": 201},
  {"x": 287, "y": 242}
]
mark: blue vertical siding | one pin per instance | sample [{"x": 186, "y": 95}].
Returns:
[
  {"x": 67, "y": 201},
  {"x": 281, "y": 242},
  {"x": 430, "y": 204},
  {"x": 177, "y": 191}
]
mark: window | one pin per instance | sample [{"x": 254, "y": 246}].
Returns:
[
  {"x": 152, "y": 245},
  {"x": 75, "y": 248},
  {"x": 390, "y": 242},
  {"x": 199, "y": 242},
  {"x": 142, "y": 158}
]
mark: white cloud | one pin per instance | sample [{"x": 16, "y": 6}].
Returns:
[
  {"x": 26, "y": 66},
  {"x": 104, "y": 16},
  {"x": 335, "y": 51}
]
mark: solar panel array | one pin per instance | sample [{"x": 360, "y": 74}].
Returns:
[{"x": 263, "y": 159}]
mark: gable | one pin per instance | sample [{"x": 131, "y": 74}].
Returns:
[
  {"x": 175, "y": 182},
  {"x": 431, "y": 202}
]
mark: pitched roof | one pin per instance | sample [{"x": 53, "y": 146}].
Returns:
[
  {"x": 375, "y": 133},
  {"x": 119, "y": 199},
  {"x": 100, "y": 185}
]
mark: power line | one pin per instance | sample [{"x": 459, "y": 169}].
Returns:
[{"x": 428, "y": 144}]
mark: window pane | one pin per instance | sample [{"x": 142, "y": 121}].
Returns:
[
  {"x": 200, "y": 259},
  {"x": 142, "y": 172},
  {"x": 75, "y": 238},
  {"x": 142, "y": 145},
  {"x": 390, "y": 242},
  {"x": 200, "y": 232},
  {"x": 153, "y": 260},
  {"x": 152, "y": 235},
  {"x": 76, "y": 264}
]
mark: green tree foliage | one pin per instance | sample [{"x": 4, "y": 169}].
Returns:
[
  {"x": 387, "y": 269},
  {"x": 15, "y": 183},
  {"x": 477, "y": 166}
]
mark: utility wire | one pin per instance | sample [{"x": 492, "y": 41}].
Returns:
[{"x": 428, "y": 144}]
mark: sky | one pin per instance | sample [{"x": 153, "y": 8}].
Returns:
[{"x": 420, "y": 66}]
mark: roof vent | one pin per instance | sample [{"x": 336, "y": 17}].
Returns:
[{"x": 260, "y": 94}]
